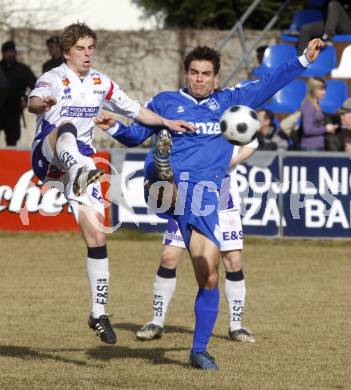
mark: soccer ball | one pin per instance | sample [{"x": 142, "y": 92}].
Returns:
[{"x": 239, "y": 125}]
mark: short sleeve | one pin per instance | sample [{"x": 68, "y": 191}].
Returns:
[
  {"x": 253, "y": 144},
  {"x": 44, "y": 87}
]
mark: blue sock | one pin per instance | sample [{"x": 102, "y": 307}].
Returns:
[{"x": 206, "y": 312}]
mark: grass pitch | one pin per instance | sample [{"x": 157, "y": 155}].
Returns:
[{"x": 298, "y": 305}]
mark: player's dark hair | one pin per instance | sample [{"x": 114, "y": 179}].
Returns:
[
  {"x": 203, "y": 53},
  {"x": 72, "y": 33}
]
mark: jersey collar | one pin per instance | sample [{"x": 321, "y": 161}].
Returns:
[
  {"x": 73, "y": 74},
  {"x": 186, "y": 95}
]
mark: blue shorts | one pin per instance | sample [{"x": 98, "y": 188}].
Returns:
[
  {"x": 197, "y": 207},
  {"x": 40, "y": 164},
  {"x": 200, "y": 212}
]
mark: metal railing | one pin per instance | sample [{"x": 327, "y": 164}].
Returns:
[{"x": 239, "y": 28}]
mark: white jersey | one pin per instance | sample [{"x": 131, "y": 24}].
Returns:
[
  {"x": 79, "y": 101},
  {"x": 229, "y": 194}
]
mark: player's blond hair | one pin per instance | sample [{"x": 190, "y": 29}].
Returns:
[
  {"x": 313, "y": 84},
  {"x": 72, "y": 33}
]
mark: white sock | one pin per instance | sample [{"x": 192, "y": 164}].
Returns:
[
  {"x": 235, "y": 292},
  {"x": 98, "y": 279},
  {"x": 164, "y": 289},
  {"x": 68, "y": 153}
]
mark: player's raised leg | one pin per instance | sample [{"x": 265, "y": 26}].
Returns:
[
  {"x": 161, "y": 189},
  {"x": 162, "y": 154},
  {"x": 64, "y": 142}
]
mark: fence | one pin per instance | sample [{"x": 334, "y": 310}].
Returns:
[{"x": 283, "y": 195}]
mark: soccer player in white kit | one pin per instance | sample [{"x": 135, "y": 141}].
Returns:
[
  {"x": 66, "y": 99},
  {"x": 231, "y": 245}
]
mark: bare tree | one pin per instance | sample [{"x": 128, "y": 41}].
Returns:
[{"x": 32, "y": 14}]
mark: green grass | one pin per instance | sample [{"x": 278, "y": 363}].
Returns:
[{"x": 298, "y": 305}]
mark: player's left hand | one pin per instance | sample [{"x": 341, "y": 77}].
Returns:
[
  {"x": 104, "y": 120},
  {"x": 179, "y": 125},
  {"x": 313, "y": 49}
]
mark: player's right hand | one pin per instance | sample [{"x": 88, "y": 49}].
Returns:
[
  {"x": 104, "y": 120},
  {"x": 48, "y": 102}
]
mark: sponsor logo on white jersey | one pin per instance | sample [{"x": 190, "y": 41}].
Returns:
[{"x": 79, "y": 112}]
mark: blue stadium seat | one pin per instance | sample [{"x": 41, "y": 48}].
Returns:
[
  {"x": 274, "y": 56},
  {"x": 337, "y": 93},
  {"x": 324, "y": 63},
  {"x": 342, "y": 38},
  {"x": 288, "y": 99}
]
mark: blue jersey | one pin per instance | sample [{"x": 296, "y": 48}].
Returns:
[{"x": 205, "y": 154}]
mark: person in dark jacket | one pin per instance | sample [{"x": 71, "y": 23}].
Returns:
[
  {"x": 337, "y": 21},
  {"x": 269, "y": 137},
  {"x": 53, "y": 45},
  {"x": 4, "y": 85},
  {"x": 19, "y": 77}
]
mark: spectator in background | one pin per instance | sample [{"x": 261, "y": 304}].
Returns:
[
  {"x": 19, "y": 77},
  {"x": 347, "y": 144},
  {"x": 314, "y": 127},
  {"x": 337, "y": 21},
  {"x": 54, "y": 49},
  {"x": 345, "y": 125},
  {"x": 3, "y": 87},
  {"x": 260, "y": 53},
  {"x": 269, "y": 137}
]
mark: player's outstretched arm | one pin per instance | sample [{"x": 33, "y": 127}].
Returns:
[
  {"x": 148, "y": 117},
  {"x": 132, "y": 135},
  {"x": 254, "y": 94},
  {"x": 38, "y": 105}
]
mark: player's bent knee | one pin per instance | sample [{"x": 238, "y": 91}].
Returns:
[
  {"x": 67, "y": 127},
  {"x": 206, "y": 278},
  {"x": 232, "y": 261},
  {"x": 170, "y": 256},
  {"x": 168, "y": 261},
  {"x": 210, "y": 282}
]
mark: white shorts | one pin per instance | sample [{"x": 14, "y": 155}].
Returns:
[
  {"x": 230, "y": 226},
  {"x": 47, "y": 164}
]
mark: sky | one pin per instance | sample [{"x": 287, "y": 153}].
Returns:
[{"x": 98, "y": 14}]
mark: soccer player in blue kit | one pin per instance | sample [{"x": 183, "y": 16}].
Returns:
[{"x": 197, "y": 163}]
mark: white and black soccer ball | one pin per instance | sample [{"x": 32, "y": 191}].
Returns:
[{"x": 239, "y": 125}]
